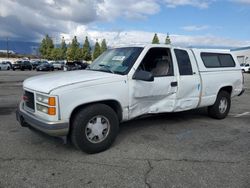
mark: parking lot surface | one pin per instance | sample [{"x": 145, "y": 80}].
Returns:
[{"x": 187, "y": 149}]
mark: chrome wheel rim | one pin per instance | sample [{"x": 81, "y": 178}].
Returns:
[
  {"x": 97, "y": 129},
  {"x": 223, "y": 105}
]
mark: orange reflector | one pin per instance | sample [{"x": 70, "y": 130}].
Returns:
[
  {"x": 52, "y": 111},
  {"x": 52, "y": 101}
]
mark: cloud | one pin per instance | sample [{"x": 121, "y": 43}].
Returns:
[
  {"x": 195, "y": 27},
  {"x": 30, "y": 20},
  {"x": 195, "y": 3},
  {"x": 133, "y": 37},
  {"x": 111, "y": 9},
  {"x": 36, "y": 18}
]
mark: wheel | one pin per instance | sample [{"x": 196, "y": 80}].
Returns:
[
  {"x": 52, "y": 69},
  {"x": 94, "y": 128},
  {"x": 221, "y": 106},
  {"x": 14, "y": 69},
  {"x": 8, "y": 68}
]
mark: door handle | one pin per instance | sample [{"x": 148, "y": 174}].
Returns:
[{"x": 174, "y": 84}]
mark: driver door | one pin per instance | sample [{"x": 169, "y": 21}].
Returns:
[{"x": 158, "y": 95}]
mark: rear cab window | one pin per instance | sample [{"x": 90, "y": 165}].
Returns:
[
  {"x": 183, "y": 61},
  {"x": 217, "y": 60}
]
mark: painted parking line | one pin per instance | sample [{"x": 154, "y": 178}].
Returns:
[{"x": 242, "y": 114}]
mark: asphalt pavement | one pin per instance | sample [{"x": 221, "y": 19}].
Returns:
[{"x": 186, "y": 149}]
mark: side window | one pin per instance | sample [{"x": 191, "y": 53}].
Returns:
[
  {"x": 158, "y": 62},
  {"x": 215, "y": 60},
  {"x": 226, "y": 60},
  {"x": 184, "y": 64},
  {"x": 210, "y": 60}
]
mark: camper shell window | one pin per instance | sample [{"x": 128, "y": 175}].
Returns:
[{"x": 215, "y": 60}]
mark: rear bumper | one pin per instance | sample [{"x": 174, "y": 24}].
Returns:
[{"x": 51, "y": 128}]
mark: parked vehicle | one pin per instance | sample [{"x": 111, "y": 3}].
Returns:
[
  {"x": 245, "y": 67},
  {"x": 22, "y": 65},
  {"x": 35, "y": 64},
  {"x": 58, "y": 65},
  {"x": 4, "y": 66},
  {"x": 9, "y": 63},
  {"x": 124, "y": 83},
  {"x": 45, "y": 66},
  {"x": 75, "y": 65}
]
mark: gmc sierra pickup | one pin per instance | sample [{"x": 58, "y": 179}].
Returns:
[{"x": 124, "y": 83}]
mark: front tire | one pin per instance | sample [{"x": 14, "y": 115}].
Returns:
[
  {"x": 221, "y": 106},
  {"x": 94, "y": 128}
]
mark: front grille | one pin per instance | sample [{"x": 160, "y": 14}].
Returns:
[{"x": 29, "y": 99}]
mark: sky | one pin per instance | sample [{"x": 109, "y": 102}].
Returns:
[{"x": 125, "y": 22}]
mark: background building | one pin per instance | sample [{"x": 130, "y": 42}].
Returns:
[{"x": 242, "y": 54}]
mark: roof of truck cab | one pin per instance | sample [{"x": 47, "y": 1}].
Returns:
[
  {"x": 141, "y": 45},
  {"x": 210, "y": 50},
  {"x": 173, "y": 46}
]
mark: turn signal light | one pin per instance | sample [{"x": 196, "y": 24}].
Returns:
[
  {"x": 52, "y": 111},
  {"x": 52, "y": 101}
]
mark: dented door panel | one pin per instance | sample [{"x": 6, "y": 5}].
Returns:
[{"x": 152, "y": 97}]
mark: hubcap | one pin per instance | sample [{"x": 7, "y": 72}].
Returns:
[
  {"x": 97, "y": 129},
  {"x": 223, "y": 105}
]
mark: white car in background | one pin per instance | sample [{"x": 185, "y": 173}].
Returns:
[
  {"x": 4, "y": 66},
  {"x": 58, "y": 64},
  {"x": 245, "y": 67}
]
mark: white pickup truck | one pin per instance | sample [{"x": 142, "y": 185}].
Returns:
[{"x": 124, "y": 83}]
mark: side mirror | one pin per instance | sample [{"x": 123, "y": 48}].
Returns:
[{"x": 143, "y": 75}]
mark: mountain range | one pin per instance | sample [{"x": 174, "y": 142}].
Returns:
[{"x": 20, "y": 47}]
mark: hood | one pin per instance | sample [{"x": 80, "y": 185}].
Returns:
[{"x": 48, "y": 82}]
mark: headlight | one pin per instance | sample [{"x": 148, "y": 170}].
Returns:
[
  {"x": 42, "y": 108},
  {"x": 46, "y": 100},
  {"x": 49, "y": 106},
  {"x": 42, "y": 98}
]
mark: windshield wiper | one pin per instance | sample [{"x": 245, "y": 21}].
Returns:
[{"x": 107, "y": 68}]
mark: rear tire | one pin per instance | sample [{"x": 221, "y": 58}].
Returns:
[
  {"x": 94, "y": 128},
  {"x": 221, "y": 106}
]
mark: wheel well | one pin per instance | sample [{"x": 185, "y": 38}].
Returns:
[
  {"x": 227, "y": 89},
  {"x": 111, "y": 103}
]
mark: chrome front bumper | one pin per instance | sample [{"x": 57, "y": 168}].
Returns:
[{"x": 51, "y": 128}]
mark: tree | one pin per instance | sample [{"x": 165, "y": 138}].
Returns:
[
  {"x": 56, "y": 54},
  {"x": 86, "y": 50},
  {"x": 46, "y": 47},
  {"x": 103, "y": 46},
  {"x": 74, "y": 51},
  {"x": 155, "y": 39},
  {"x": 63, "y": 49},
  {"x": 167, "y": 40},
  {"x": 97, "y": 50}
]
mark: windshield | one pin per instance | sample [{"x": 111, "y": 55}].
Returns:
[{"x": 117, "y": 60}]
